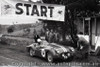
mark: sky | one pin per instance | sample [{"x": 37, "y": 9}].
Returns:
[{"x": 9, "y": 20}]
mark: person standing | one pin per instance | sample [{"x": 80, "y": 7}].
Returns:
[
  {"x": 56, "y": 37},
  {"x": 51, "y": 36},
  {"x": 47, "y": 35}
]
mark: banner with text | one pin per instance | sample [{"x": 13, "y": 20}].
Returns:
[{"x": 35, "y": 10}]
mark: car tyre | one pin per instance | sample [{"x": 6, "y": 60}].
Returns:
[
  {"x": 50, "y": 57},
  {"x": 31, "y": 52}
]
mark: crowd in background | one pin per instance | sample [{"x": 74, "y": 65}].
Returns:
[{"x": 52, "y": 36}]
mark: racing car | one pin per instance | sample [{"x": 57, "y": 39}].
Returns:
[{"x": 50, "y": 51}]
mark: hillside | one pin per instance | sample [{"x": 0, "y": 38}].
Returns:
[
  {"x": 27, "y": 31},
  {"x": 3, "y": 29}
]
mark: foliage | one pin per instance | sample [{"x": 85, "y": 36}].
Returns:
[
  {"x": 74, "y": 9},
  {"x": 10, "y": 29}
]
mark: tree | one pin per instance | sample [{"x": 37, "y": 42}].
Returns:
[
  {"x": 10, "y": 29},
  {"x": 74, "y": 9},
  {"x": 68, "y": 26}
]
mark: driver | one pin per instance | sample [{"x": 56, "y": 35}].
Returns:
[
  {"x": 36, "y": 37},
  {"x": 39, "y": 41},
  {"x": 42, "y": 42}
]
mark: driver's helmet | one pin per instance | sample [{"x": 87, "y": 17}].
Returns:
[{"x": 39, "y": 40}]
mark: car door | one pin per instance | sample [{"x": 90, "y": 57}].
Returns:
[{"x": 39, "y": 50}]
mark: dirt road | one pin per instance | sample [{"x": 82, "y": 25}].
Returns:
[
  {"x": 9, "y": 55},
  {"x": 16, "y": 56}
]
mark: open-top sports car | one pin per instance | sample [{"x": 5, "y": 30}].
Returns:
[{"x": 50, "y": 51}]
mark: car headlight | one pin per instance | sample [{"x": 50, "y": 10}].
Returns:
[
  {"x": 69, "y": 54},
  {"x": 64, "y": 56}
]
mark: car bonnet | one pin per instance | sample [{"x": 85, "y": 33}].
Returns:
[{"x": 58, "y": 47}]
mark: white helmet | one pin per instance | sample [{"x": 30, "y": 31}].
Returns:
[{"x": 39, "y": 40}]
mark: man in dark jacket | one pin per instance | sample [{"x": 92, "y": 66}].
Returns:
[
  {"x": 82, "y": 48},
  {"x": 36, "y": 37}
]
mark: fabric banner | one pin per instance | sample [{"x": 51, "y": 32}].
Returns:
[
  {"x": 6, "y": 8},
  {"x": 35, "y": 10}
]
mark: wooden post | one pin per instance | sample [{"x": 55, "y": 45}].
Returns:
[
  {"x": 89, "y": 36},
  {"x": 93, "y": 34}
]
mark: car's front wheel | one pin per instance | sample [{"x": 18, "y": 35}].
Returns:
[
  {"x": 50, "y": 57},
  {"x": 31, "y": 52}
]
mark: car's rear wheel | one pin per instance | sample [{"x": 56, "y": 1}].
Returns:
[
  {"x": 31, "y": 52},
  {"x": 50, "y": 57}
]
